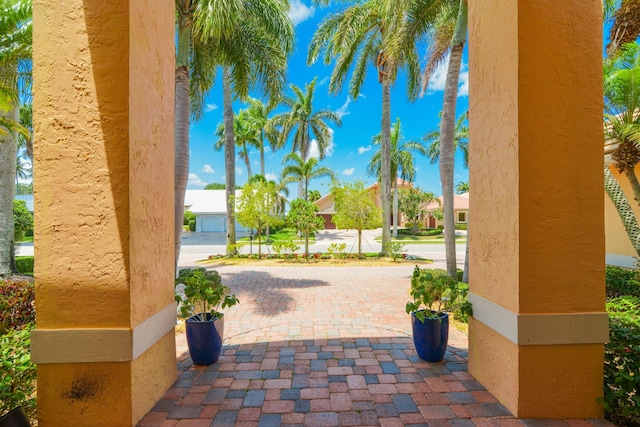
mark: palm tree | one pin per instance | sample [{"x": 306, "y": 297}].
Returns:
[
  {"x": 448, "y": 39},
  {"x": 23, "y": 169},
  {"x": 462, "y": 187},
  {"x": 460, "y": 141},
  {"x": 15, "y": 73},
  {"x": 258, "y": 117},
  {"x": 626, "y": 25},
  {"x": 250, "y": 40},
  {"x": 244, "y": 135},
  {"x": 622, "y": 102},
  {"x": 297, "y": 169},
  {"x": 382, "y": 33},
  {"x": 302, "y": 122},
  {"x": 402, "y": 163}
]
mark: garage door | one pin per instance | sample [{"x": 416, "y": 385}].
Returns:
[{"x": 212, "y": 224}]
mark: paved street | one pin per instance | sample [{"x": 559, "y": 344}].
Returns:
[{"x": 197, "y": 246}]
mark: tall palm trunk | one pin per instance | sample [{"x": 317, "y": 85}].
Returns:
[
  {"x": 617, "y": 196},
  {"x": 385, "y": 166},
  {"x": 635, "y": 185},
  {"x": 181, "y": 127},
  {"x": 229, "y": 162},
  {"x": 262, "y": 153},
  {"x": 447, "y": 134},
  {"x": 395, "y": 208},
  {"x": 8, "y": 152},
  {"x": 247, "y": 160}
]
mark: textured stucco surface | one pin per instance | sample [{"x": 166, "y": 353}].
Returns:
[
  {"x": 81, "y": 181},
  {"x": 560, "y": 381},
  {"x": 96, "y": 394},
  {"x": 151, "y": 183},
  {"x": 493, "y": 361},
  {"x": 536, "y": 182},
  {"x": 536, "y": 165},
  {"x": 152, "y": 374},
  {"x": 103, "y": 116},
  {"x": 560, "y": 126},
  {"x": 493, "y": 159}
]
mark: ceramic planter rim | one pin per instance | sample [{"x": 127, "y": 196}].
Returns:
[
  {"x": 194, "y": 318},
  {"x": 441, "y": 314}
]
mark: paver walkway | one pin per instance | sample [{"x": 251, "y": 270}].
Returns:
[{"x": 313, "y": 346}]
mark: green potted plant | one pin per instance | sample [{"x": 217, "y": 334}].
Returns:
[
  {"x": 434, "y": 294},
  {"x": 200, "y": 302}
]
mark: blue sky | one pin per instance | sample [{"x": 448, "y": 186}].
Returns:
[{"x": 351, "y": 149}]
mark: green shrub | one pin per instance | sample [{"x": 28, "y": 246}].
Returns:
[
  {"x": 622, "y": 361},
  {"x": 283, "y": 247},
  {"x": 395, "y": 250},
  {"x": 188, "y": 216},
  {"x": 17, "y": 305},
  {"x": 17, "y": 373},
  {"x": 461, "y": 226},
  {"x": 621, "y": 281},
  {"x": 24, "y": 264},
  {"x": 192, "y": 225},
  {"x": 337, "y": 250}
]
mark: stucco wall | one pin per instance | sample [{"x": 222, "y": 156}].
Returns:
[{"x": 81, "y": 173}]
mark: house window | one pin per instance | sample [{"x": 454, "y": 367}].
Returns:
[{"x": 462, "y": 217}]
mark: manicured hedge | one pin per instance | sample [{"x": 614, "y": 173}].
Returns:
[{"x": 621, "y": 281}]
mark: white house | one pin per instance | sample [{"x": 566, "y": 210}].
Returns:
[{"x": 210, "y": 208}]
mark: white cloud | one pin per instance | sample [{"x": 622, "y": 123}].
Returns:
[
  {"x": 439, "y": 78},
  {"x": 314, "y": 151},
  {"x": 238, "y": 170},
  {"x": 362, "y": 150},
  {"x": 361, "y": 95},
  {"x": 463, "y": 89},
  {"x": 349, "y": 171},
  {"x": 343, "y": 110},
  {"x": 210, "y": 107},
  {"x": 195, "y": 181},
  {"x": 270, "y": 176},
  {"x": 208, "y": 169},
  {"x": 323, "y": 81},
  {"x": 299, "y": 12}
]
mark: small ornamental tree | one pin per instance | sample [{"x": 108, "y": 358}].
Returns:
[
  {"x": 355, "y": 209},
  {"x": 412, "y": 204},
  {"x": 255, "y": 207},
  {"x": 302, "y": 216}
]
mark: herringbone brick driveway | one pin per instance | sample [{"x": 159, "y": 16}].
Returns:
[{"x": 317, "y": 346}]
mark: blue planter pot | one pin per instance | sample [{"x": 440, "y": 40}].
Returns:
[
  {"x": 431, "y": 337},
  {"x": 15, "y": 418},
  {"x": 205, "y": 339}
]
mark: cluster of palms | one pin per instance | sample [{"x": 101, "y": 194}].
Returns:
[
  {"x": 249, "y": 41},
  {"x": 379, "y": 33}
]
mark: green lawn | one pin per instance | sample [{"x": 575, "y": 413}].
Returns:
[
  {"x": 408, "y": 239},
  {"x": 26, "y": 239},
  {"x": 280, "y": 236}
]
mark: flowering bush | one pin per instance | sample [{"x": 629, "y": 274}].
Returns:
[{"x": 622, "y": 361}]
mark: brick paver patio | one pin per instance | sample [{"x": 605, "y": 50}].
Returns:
[{"x": 314, "y": 346}]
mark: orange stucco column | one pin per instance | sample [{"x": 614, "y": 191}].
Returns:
[
  {"x": 103, "y": 117},
  {"x": 537, "y": 251}
]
